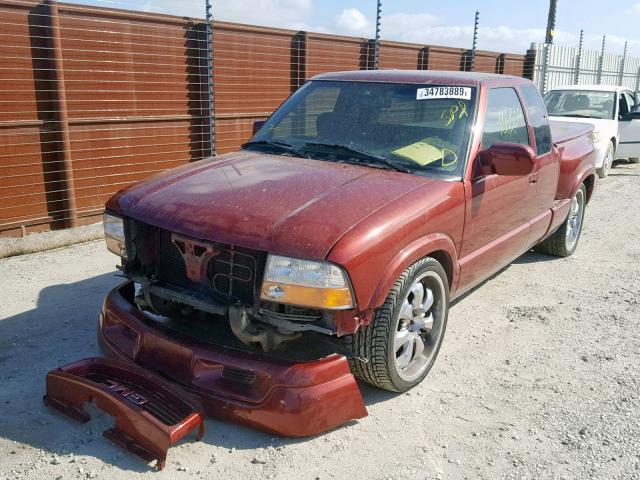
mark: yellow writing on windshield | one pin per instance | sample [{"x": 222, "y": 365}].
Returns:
[{"x": 453, "y": 113}]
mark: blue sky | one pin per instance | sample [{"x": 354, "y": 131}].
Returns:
[{"x": 507, "y": 26}]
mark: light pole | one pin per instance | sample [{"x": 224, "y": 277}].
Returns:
[{"x": 551, "y": 21}]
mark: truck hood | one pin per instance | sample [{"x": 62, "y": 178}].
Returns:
[{"x": 280, "y": 204}]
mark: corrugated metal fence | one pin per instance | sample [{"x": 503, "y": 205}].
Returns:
[
  {"x": 558, "y": 65},
  {"x": 94, "y": 99}
]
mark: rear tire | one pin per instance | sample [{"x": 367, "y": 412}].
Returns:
[
  {"x": 609, "y": 155},
  {"x": 634, "y": 160},
  {"x": 403, "y": 340},
  {"x": 564, "y": 241}
]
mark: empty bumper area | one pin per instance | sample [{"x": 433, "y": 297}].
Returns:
[{"x": 285, "y": 398}]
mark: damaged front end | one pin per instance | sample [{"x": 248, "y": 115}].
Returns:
[
  {"x": 290, "y": 397},
  {"x": 199, "y": 316},
  {"x": 180, "y": 278}
]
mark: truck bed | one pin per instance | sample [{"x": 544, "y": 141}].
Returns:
[
  {"x": 562, "y": 132},
  {"x": 577, "y": 156}
]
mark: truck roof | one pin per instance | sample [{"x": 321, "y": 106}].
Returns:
[{"x": 419, "y": 76}]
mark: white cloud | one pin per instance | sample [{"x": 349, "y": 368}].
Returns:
[
  {"x": 352, "y": 21},
  {"x": 425, "y": 28},
  {"x": 185, "y": 8},
  {"x": 428, "y": 29},
  {"x": 422, "y": 28},
  {"x": 281, "y": 13},
  {"x": 276, "y": 13}
]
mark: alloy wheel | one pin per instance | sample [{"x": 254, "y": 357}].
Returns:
[
  {"x": 575, "y": 219},
  {"x": 420, "y": 326}
]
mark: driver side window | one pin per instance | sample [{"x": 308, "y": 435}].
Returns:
[{"x": 505, "y": 120}]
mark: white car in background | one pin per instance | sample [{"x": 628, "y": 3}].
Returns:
[{"x": 613, "y": 111}]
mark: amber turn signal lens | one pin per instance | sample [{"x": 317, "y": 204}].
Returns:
[
  {"x": 114, "y": 234},
  {"x": 323, "y": 298},
  {"x": 116, "y": 246}
]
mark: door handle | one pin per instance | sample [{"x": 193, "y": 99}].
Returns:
[{"x": 533, "y": 178}]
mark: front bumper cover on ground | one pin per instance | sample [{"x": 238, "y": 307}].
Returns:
[
  {"x": 150, "y": 414},
  {"x": 292, "y": 399}
]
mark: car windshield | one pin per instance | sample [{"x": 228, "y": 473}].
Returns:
[
  {"x": 413, "y": 128},
  {"x": 580, "y": 103}
]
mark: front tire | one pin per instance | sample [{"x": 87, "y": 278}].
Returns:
[
  {"x": 564, "y": 241},
  {"x": 609, "y": 155},
  {"x": 405, "y": 335}
]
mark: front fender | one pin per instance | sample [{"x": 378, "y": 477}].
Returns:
[
  {"x": 376, "y": 251},
  {"x": 420, "y": 248}
]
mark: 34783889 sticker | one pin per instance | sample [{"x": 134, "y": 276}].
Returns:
[{"x": 428, "y": 93}]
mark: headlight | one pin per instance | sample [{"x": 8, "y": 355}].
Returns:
[
  {"x": 114, "y": 234},
  {"x": 595, "y": 136},
  {"x": 306, "y": 283}
]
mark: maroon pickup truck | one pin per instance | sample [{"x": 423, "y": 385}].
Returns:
[{"x": 342, "y": 230}]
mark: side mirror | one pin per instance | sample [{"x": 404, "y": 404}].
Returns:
[
  {"x": 635, "y": 115},
  {"x": 509, "y": 158},
  {"x": 257, "y": 125}
]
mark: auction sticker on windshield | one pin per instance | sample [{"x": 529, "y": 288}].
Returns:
[{"x": 429, "y": 93}]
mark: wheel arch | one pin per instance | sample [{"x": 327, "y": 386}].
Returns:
[
  {"x": 590, "y": 184},
  {"x": 438, "y": 246},
  {"x": 444, "y": 259}
]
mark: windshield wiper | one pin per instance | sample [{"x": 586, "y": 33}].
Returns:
[
  {"x": 372, "y": 158},
  {"x": 576, "y": 115},
  {"x": 273, "y": 144}
]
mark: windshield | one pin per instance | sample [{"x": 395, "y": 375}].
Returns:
[
  {"x": 580, "y": 103},
  {"x": 417, "y": 129}
]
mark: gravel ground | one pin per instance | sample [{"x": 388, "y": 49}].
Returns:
[{"x": 538, "y": 376}]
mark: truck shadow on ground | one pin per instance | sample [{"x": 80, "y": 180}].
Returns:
[
  {"x": 533, "y": 257},
  {"x": 62, "y": 329}
]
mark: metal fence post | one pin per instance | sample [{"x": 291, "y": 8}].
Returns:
[
  {"x": 69, "y": 194},
  {"x": 376, "y": 53},
  {"x": 211, "y": 97},
  {"x": 622, "y": 64},
  {"x": 475, "y": 41},
  {"x": 545, "y": 67},
  {"x": 529, "y": 65},
  {"x": 601, "y": 62},
  {"x": 423, "y": 59},
  {"x": 576, "y": 78},
  {"x": 298, "y": 60}
]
